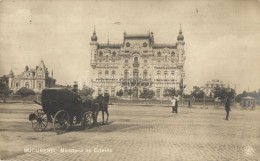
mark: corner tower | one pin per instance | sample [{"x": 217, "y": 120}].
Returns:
[{"x": 93, "y": 49}]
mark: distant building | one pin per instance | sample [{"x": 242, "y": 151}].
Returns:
[
  {"x": 137, "y": 64},
  {"x": 36, "y": 79},
  {"x": 248, "y": 101},
  {"x": 210, "y": 85}
]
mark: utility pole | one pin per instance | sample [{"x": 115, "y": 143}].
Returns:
[{"x": 235, "y": 96}]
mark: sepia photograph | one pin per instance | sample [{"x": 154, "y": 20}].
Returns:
[{"x": 130, "y": 80}]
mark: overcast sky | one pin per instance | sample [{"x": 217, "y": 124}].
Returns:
[{"x": 222, "y": 37}]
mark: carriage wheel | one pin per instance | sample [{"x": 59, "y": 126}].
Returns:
[
  {"x": 40, "y": 122},
  {"x": 61, "y": 121},
  {"x": 86, "y": 121}
]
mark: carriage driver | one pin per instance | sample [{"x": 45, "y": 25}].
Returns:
[{"x": 75, "y": 88}]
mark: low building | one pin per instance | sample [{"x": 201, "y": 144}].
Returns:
[
  {"x": 248, "y": 101},
  {"x": 36, "y": 79}
]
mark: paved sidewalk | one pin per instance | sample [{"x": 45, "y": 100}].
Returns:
[{"x": 146, "y": 134}]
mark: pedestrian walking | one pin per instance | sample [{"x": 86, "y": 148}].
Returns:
[
  {"x": 189, "y": 104},
  {"x": 176, "y": 103},
  {"x": 253, "y": 106},
  {"x": 227, "y": 108},
  {"x": 173, "y": 100}
]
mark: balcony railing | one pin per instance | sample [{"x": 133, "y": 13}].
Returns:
[{"x": 136, "y": 81}]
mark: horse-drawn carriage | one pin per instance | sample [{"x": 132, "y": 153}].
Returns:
[{"x": 63, "y": 108}]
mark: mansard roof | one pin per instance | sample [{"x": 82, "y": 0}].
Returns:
[
  {"x": 160, "y": 46},
  {"x": 137, "y": 36},
  {"x": 111, "y": 46}
]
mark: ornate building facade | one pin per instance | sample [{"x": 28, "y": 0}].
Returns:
[
  {"x": 138, "y": 63},
  {"x": 36, "y": 79}
]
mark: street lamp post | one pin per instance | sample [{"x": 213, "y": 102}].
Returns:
[
  {"x": 4, "y": 92},
  {"x": 204, "y": 97}
]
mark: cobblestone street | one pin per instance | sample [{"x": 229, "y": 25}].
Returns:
[{"x": 149, "y": 133}]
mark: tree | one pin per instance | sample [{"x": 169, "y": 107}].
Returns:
[
  {"x": 25, "y": 92},
  {"x": 86, "y": 91},
  {"x": 147, "y": 94},
  {"x": 120, "y": 93},
  {"x": 4, "y": 89},
  {"x": 197, "y": 92},
  {"x": 223, "y": 92}
]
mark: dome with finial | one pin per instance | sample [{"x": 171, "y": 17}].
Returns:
[
  {"x": 94, "y": 36},
  {"x": 180, "y": 37},
  {"x": 11, "y": 72}
]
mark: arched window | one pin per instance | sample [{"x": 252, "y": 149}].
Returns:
[
  {"x": 165, "y": 57},
  {"x": 145, "y": 74},
  {"x": 173, "y": 53},
  {"x": 40, "y": 86},
  {"x": 100, "y": 54},
  {"x": 165, "y": 74},
  {"x": 27, "y": 85},
  {"x": 113, "y": 74},
  {"x": 136, "y": 59},
  {"x": 126, "y": 74},
  {"x": 106, "y": 73},
  {"x": 106, "y": 57},
  {"x": 159, "y": 54},
  {"x": 136, "y": 73}
]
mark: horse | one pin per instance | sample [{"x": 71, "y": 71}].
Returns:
[{"x": 103, "y": 106}]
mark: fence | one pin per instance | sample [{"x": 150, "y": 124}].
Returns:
[
  {"x": 114, "y": 100},
  {"x": 20, "y": 99}
]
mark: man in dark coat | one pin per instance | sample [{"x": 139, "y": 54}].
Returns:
[{"x": 227, "y": 108}]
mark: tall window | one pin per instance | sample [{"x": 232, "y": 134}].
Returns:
[
  {"x": 165, "y": 74},
  {"x": 113, "y": 74},
  {"x": 158, "y": 74},
  {"x": 173, "y": 54},
  {"x": 165, "y": 57},
  {"x": 145, "y": 74},
  {"x": 106, "y": 57},
  {"x": 136, "y": 60},
  {"x": 158, "y": 54},
  {"x": 126, "y": 74},
  {"x": 27, "y": 85},
  {"x": 106, "y": 73},
  {"x": 136, "y": 73},
  {"x": 40, "y": 86},
  {"x": 172, "y": 75}
]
